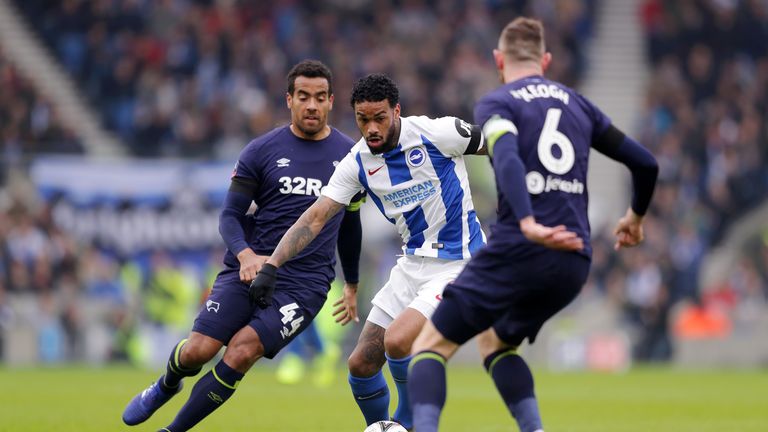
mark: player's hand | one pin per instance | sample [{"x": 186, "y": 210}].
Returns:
[
  {"x": 263, "y": 286},
  {"x": 558, "y": 238},
  {"x": 346, "y": 306},
  {"x": 250, "y": 264},
  {"x": 629, "y": 230}
]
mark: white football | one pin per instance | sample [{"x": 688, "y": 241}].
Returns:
[{"x": 384, "y": 425}]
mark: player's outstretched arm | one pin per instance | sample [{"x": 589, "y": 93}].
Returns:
[
  {"x": 641, "y": 163},
  {"x": 304, "y": 230},
  {"x": 645, "y": 170},
  {"x": 298, "y": 236}
]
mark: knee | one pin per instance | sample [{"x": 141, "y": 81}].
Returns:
[
  {"x": 430, "y": 339},
  {"x": 363, "y": 366},
  {"x": 485, "y": 349},
  {"x": 242, "y": 356},
  {"x": 397, "y": 345},
  {"x": 195, "y": 354},
  {"x": 488, "y": 343}
]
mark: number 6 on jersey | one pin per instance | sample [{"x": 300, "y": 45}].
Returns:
[{"x": 550, "y": 137}]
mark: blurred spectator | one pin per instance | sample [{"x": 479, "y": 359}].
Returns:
[
  {"x": 28, "y": 253},
  {"x": 28, "y": 123},
  {"x": 50, "y": 332},
  {"x": 170, "y": 294},
  {"x": 99, "y": 274}
]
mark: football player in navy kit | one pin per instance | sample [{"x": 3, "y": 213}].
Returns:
[
  {"x": 539, "y": 134},
  {"x": 282, "y": 172}
]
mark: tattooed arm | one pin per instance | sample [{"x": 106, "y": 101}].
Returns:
[{"x": 304, "y": 230}]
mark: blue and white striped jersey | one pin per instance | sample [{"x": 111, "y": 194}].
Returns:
[{"x": 421, "y": 186}]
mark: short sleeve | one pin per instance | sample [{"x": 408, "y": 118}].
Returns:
[
  {"x": 455, "y": 137},
  {"x": 344, "y": 183}
]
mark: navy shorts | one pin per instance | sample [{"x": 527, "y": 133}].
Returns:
[
  {"x": 514, "y": 295},
  {"x": 227, "y": 310}
]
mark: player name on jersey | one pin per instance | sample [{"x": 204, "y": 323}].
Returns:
[{"x": 535, "y": 91}]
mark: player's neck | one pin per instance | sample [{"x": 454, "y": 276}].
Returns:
[
  {"x": 398, "y": 127},
  {"x": 322, "y": 134},
  {"x": 395, "y": 136},
  {"x": 521, "y": 70}
]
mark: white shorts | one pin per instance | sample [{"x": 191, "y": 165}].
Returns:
[{"x": 415, "y": 282}]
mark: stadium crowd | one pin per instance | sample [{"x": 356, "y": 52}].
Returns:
[
  {"x": 705, "y": 120},
  {"x": 193, "y": 78},
  {"x": 28, "y": 123},
  {"x": 200, "y": 78}
]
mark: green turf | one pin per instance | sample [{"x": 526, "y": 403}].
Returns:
[{"x": 82, "y": 400}]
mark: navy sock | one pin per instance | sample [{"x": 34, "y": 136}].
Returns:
[
  {"x": 210, "y": 392},
  {"x": 174, "y": 371},
  {"x": 514, "y": 381},
  {"x": 399, "y": 369},
  {"x": 427, "y": 390},
  {"x": 372, "y": 396}
]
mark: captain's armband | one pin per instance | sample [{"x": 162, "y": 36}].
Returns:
[
  {"x": 495, "y": 128},
  {"x": 357, "y": 201}
]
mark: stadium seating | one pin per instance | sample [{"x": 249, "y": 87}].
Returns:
[
  {"x": 28, "y": 123},
  {"x": 198, "y": 78}
]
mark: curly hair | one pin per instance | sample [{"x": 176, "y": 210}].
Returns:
[
  {"x": 309, "y": 69},
  {"x": 375, "y": 88}
]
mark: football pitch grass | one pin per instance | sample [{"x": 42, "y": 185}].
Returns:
[{"x": 80, "y": 399}]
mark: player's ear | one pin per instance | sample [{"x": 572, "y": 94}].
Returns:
[
  {"x": 546, "y": 59},
  {"x": 330, "y": 102},
  {"x": 397, "y": 110},
  {"x": 498, "y": 58},
  {"x": 288, "y": 100}
]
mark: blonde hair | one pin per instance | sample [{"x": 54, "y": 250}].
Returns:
[{"x": 523, "y": 40}]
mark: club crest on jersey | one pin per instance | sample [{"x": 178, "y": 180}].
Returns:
[
  {"x": 212, "y": 306},
  {"x": 283, "y": 162},
  {"x": 415, "y": 157}
]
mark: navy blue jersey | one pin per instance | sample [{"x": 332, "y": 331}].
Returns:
[
  {"x": 555, "y": 128},
  {"x": 289, "y": 173}
]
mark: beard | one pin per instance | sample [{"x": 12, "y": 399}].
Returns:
[
  {"x": 389, "y": 142},
  {"x": 310, "y": 131},
  {"x": 310, "y": 128}
]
